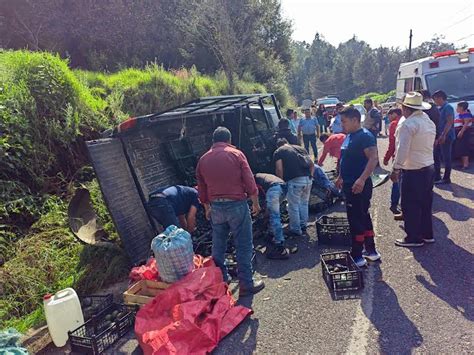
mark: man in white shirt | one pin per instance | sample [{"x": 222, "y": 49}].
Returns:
[{"x": 415, "y": 138}]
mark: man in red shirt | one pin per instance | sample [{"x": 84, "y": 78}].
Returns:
[
  {"x": 225, "y": 181},
  {"x": 394, "y": 115},
  {"x": 332, "y": 145}
]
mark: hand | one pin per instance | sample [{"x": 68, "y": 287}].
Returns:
[
  {"x": 441, "y": 140},
  {"x": 208, "y": 212},
  {"x": 395, "y": 176},
  {"x": 256, "y": 209},
  {"x": 358, "y": 186},
  {"x": 338, "y": 183},
  {"x": 385, "y": 162}
]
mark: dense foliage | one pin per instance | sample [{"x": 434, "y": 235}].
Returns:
[{"x": 350, "y": 69}]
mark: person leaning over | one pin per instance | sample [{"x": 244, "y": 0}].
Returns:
[
  {"x": 332, "y": 146},
  {"x": 275, "y": 192},
  {"x": 294, "y": 165},
  {"x": 285, "y": 132},
  {"x": 358, "y": 160},
  {"x": 225, "y": 181},
  {"x": 175, "y": 205},
  {"x": 414, "y": 156}
]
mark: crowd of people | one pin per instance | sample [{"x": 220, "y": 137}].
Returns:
[{"x": 421, "y": 133}]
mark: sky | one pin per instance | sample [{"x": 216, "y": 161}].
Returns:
[{"x": 383, "y": 22}]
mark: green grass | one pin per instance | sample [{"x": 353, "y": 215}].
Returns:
[{"x": 374, "y": 96}]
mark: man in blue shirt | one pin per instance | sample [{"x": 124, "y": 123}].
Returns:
[
  {"x": 444, "y": 144},
  {"x": 308, "y": 127},
  {"x": 358, "y": 160},
  {"x": 336, "y": 125},
  {"x": 175, "y": 205}
]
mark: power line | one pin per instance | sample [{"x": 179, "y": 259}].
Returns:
[
  {"x": 463, "y": 38},
  {"x": 457, "y": 22}
]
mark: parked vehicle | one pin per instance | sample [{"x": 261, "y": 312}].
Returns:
[{"x": 451, "y": 71}]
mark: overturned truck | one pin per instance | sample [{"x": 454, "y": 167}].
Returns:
[{"x": 145, "y": 153}]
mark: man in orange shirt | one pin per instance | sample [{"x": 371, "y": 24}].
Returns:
[
  {"x": 332, "y": 145},
  {"x": 394, "y": 115}
]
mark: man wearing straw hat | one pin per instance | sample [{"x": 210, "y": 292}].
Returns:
[{"x": 414, "y": 158}]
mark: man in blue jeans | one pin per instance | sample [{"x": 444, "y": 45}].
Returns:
[
  {"x": 358, "y": 160},
  {"x": 308, "y": 127},
  {"x": 175, "y": 205},
  {"x": 294, "y": 165},
  {"x": 225, "y": 182},
  {"x": 275, "y": 192},
  {"x": 444, "y": 144}
]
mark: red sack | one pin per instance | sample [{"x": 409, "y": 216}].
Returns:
[
  {"x": 149, "y": 271},
  {"x": 190, "y": 317}
]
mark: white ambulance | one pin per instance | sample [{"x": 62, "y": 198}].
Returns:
[{"x": 451, "y": 71}]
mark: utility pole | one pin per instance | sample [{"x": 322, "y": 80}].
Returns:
[{"x": 409, "y": 46}]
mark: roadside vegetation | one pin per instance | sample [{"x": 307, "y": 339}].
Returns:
[
  {"x": 380, "y": 98},
  {"x": 47, "y": 112}
]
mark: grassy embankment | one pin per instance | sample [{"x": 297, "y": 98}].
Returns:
[
  {"x": 380, "y": 98},
  {"x": 47, "y": 111}
]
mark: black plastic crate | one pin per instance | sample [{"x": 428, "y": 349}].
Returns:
[
  {"x": 94, "y": 304},
  {"x": 333, "y": 231},
  {"x": 340, "y": 272},
  {"x": 100, "y": 332}
]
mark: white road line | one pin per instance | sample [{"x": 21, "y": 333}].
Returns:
[{"x": 361, "y": 325}]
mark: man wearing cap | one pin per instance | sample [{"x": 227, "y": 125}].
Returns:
[
  {"x": 225, "y": 181},
  {"x": 414, "y": 156},
  {"x": 444, "y": 144}
]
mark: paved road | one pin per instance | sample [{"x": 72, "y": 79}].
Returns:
[{"x": 417, "y": 300}]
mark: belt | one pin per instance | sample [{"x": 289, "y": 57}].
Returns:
[
  {"x": 158, "y": 195},
  {"x": 223, "y": 200},
  {"x": 418, "y": 170}
]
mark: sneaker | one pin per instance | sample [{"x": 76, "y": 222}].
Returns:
[
  {"x": 372, "y": 256},
  {"x": 394, "y": 209},
  {"x": 398, "y": 217},
  {"x": 278, "y": 252},
  {"x": 429, "y": 241},
  {"x": 256, "y": 287},
  {"x": 407, "y": 243},
  {"x": 360, "y": 261}
]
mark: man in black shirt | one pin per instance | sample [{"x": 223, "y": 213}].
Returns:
[
  {"x": 175, "y": 205},
  {"x": 275, "y": 191},
  {"x": 294, "y": 165},
  {"x": 284, "y": 131}
]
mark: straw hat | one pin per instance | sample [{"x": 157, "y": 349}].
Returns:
[{"x": 415, "y": 100}]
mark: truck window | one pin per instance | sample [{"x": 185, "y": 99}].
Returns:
[
  {"x": 408, "y": 85},
  {"x": 418, "y": 84},
  {"x": 458, "y": 83}
]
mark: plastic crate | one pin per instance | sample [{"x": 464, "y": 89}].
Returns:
[
  {"x": 333, "y": 231},
  {"x": 98, "y": 333},
  {"x": 347, "y": 278},
  {"x": 98, "y": 304}
]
